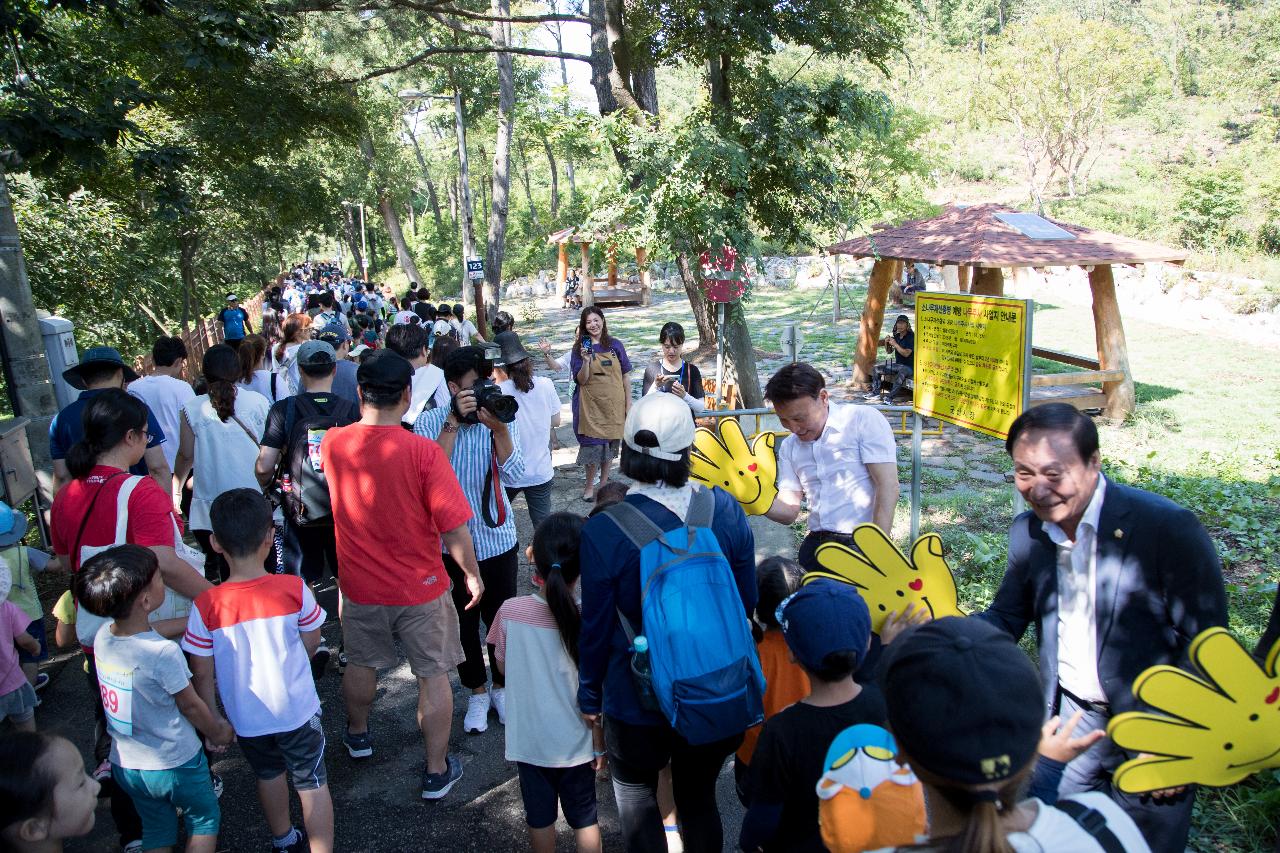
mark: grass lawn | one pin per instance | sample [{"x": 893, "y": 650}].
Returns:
[{"x": 1206, "y": 434}]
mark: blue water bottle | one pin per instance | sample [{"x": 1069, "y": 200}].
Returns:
[{"x": 641, "y": 673}]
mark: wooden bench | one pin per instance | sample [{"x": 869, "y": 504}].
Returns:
[{"x": 1066, "y": 387}]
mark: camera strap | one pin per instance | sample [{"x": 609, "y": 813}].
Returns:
[{"x": 493, "y": 490}]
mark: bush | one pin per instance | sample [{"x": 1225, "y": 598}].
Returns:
[
  {"x": 1269, "y": 236},
  {"x": 1207, "y": 210}
]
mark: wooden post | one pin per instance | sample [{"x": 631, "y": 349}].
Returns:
[
  {"x": 1113, "y": 353},
  {"x": 588, "y": 289},
  {"x": 883, "y": 274},
  {"x": 987, "y": 281},
  {"x": 612, "y": 253},
  {"x": 962, "y": 273},
  {"x": 562, "y": 270},
  {"x": 646, "y": 283}
]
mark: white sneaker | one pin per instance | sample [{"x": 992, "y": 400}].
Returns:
[
  {"x": 499, "y": 695},
  {"x": 477, "y": 718}
]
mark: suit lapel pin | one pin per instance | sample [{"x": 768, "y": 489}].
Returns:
[{"x": 1119, "y": 534}]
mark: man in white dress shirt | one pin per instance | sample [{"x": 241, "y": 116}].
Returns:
[{"x": 842, "y": 459}]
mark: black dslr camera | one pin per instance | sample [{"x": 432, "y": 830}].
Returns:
[{"x": 489, "y": 397}]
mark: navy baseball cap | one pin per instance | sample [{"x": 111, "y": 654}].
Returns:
[{"x": 822, "y": 617}]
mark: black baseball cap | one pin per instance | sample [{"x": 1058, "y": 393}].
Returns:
[
  {"x": 964, "y": 702},
  {"x": 385, "y": 371}
]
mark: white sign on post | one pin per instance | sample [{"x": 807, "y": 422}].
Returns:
[{"x": 475, "y": 268}]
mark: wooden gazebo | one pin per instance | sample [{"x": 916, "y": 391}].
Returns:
[
  {"x": 983, "y": 239},
  {"x": 614, "y": 292}
]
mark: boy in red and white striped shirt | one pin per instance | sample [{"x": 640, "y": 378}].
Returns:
[{"x": 257, "y": 633}]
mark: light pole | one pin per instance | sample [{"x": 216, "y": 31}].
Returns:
[{"x": 364, "y": 244}]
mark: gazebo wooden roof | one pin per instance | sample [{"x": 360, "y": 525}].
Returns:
[
  {"x": 985, "y": 238},
  {"x": 974, "y": 236}
]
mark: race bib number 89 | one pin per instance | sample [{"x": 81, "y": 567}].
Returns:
[{"x": 116, "y": 686}]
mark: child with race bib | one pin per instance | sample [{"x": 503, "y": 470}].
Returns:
[
  {"x": 535, "y": 639},
  {"x": 152, "y": 707}
]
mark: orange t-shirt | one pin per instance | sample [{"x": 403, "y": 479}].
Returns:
[{"x": 785, "y": 684}]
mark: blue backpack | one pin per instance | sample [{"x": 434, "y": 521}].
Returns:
[{"x": 702, "y": 661}]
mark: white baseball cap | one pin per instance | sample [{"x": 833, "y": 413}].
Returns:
[{"x": 659, "y": 425}]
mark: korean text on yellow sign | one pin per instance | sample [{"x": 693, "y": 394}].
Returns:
[{"x": 971, "y": 359}]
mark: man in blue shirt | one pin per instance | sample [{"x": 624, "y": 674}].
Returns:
[
  {"x": 100, "y": 369},
  {"x": 235, "y": 321},
  {"x": 484, "y": 452}
]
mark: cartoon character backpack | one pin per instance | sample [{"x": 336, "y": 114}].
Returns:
[{"x": 866, "y": 799}]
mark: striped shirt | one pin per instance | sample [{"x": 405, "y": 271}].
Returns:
[
  {"x": 472, "y": 460},
  {"x": 543, "y": 727},
  {"x": 253, "y": 631}
]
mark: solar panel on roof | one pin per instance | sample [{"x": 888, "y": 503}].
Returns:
[{"x": 1035, "y": 227}]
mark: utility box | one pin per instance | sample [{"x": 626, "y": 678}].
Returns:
[
  {"x": 17, "y": 474},
  {"x": 60, "y": 350}
]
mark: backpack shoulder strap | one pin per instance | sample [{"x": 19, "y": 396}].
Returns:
[
  {"x": 290, "y": 417},
  {"x": 1093, "y": 822},
  {"x": 122, "y": 507},
  {"x": 634, "y": 524},
  {"x": 702, "y": 508}
]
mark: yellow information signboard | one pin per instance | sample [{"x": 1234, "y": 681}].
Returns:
[{"x": 972, "y": 360}]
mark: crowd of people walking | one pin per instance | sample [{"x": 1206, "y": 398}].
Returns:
[{"x": 653, "y": 643}]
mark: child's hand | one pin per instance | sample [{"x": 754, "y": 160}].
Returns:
[
  {"x": 599, "y": 763},
  {"x": 1056, "y": 741},
  {"x": 894, "y": 624},
  {"x": 222, "y": 736}
]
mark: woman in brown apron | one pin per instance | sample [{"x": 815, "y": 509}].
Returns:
[{"x": 601, "y": 396}]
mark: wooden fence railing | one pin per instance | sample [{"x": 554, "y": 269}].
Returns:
[{"x": 203, "y": 334}]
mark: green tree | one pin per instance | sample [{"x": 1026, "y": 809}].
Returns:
[
  {"x": 1059, "y": 80},
  {"x": 754, "y": 158}
]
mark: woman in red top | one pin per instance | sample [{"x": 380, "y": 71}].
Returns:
[{"x": 84, "y": 513}]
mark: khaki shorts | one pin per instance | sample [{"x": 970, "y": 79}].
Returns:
[{"x": 427, "y": 632}]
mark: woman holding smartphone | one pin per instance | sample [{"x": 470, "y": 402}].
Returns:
[
  {"x": 671, "y": 374},
  {"x": 601, "y": 396}
]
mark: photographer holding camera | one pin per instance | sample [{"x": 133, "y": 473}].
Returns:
[
  {"x": 477, "y": 433},
  {"x": 901, "y": 345}
]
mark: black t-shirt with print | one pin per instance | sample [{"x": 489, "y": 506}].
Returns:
[{"x": 789, "y": 759}]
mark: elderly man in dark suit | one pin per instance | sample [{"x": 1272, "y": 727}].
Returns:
[{"x": 1115, "y": 580}]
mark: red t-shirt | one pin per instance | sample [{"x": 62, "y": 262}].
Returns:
[
  {"x": 392, "y": 494},
  {"x": 151, "y": 515}
]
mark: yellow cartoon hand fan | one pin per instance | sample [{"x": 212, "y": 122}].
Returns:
[
  {"x": 1212, "y": 727},
  {"x": 886, "y": 579},
  {"x": 749, "y": 472}
]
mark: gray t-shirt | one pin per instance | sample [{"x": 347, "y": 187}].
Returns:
[
  {"x": 344, "y": 382},
  {"x": 138, "y": 677}
]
